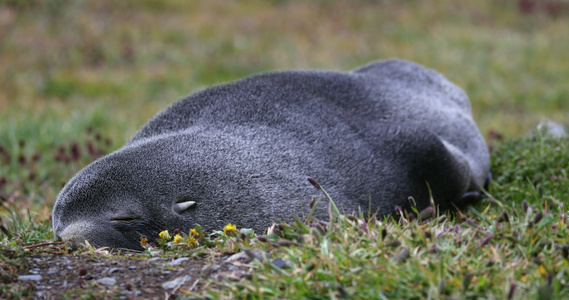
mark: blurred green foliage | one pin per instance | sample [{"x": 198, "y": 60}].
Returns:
[{"x": 138, "y": 56}]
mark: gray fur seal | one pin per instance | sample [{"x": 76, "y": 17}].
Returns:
[{"x": 241, "y": 152}]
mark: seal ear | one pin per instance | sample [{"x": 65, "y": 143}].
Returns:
[{"x": 182, "y": 205}]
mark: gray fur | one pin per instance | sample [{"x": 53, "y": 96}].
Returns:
[{"x": 242, "y": 152}]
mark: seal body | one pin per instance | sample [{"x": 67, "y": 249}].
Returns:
[{"x": 241, "y": 152}]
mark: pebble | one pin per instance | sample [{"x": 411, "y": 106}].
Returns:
[
  {"x": 279, "y": 263},
  {"x": 113, "y": 270},
  {"x": 172, "y": 284},
  {"x": 29, "y": 277},
  {"x": 211, "y": 268},
  {"x": 179, "y": 261},
  {"x": 550, "y": 128},
  {"x": 237, "y": 256},
  {"x": 108, "y": 281},
  {"x": 283, "y": 263}
]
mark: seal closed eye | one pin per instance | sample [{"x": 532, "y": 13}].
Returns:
[
  {"x": 241, "y": 152},
  {"x": 127, "y": 220}
]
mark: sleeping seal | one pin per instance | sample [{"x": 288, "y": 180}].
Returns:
[{"x": 241, "y": 152}]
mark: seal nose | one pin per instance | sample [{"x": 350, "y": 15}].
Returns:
[{"x": 76, "y": 231}]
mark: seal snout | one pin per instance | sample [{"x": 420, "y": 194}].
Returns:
[
  {"x": 99, "y": 233},
  {"x": 75, "y": 232}
]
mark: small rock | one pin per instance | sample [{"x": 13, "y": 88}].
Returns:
[
  {"x": 235, "y": 276},
  {"x": 237, "y": 256},
  {"x": 255, "y": 254},
  {"x": 29, "y": 277},
  {"x": 549, "y": 128},
  {"x": 172, "y": 284},
  {"x": 210, "y": 268},
  {"x": 282, "y": 263},
  {"x": 178, "y": 261},
  {"x": 132, "y": 267},
  {"x": 279, "y": 263},
  {"x": 108, "y": 281},
  {"x": 232, "y": 267},
  {"x": 154, "y": 259},
  {"x": 114, "y": 270}
]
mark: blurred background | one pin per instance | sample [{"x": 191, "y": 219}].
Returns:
[{"x": 85, "y": 75}]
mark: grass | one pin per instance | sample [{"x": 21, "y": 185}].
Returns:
[
  {"x": 92, "y": 72},
  {"x": 513, "y": 245}
]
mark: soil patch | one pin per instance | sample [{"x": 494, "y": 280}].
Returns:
[{"x": 128, "y": 276}]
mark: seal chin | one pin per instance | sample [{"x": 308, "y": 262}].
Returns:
[{"x": 98, "y": 235}]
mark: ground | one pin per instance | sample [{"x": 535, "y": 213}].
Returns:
[{"x": 129, "y": 277}]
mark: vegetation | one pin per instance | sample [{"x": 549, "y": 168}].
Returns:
[{"x": 77, "y": 78}]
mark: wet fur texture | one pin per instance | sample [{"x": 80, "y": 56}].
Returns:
[{"x": 242, "y": 152}]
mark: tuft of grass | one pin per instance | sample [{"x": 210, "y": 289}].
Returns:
[
  {"x": 533, "y": 169},
  {"x": 19, "y": 232},
  {"x": 386, "y": 260},
  {"x": 31, "y": 176}
]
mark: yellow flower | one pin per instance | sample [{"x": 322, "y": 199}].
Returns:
[
  {"x": 194, "y": 232},
  {"x": 143, "y": 241},
  {"x": 541, "y": 270},
  {"x": 178, "y": 238},
  {"x": 192, "y": 241},
  {"x": 165, "y": 235},
  {"x": 229, "y": 228}
]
